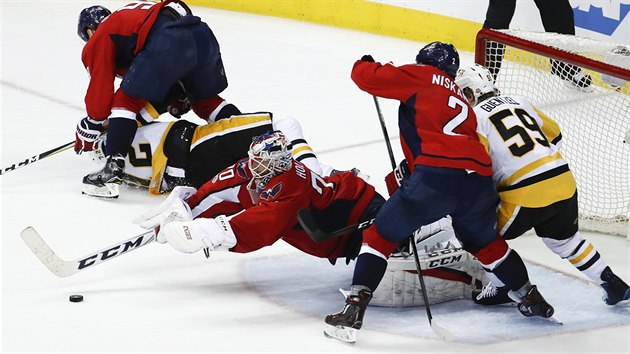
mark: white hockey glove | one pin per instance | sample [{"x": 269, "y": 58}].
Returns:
[
  {"x": 174, "y": 208},
  {"x": 195, "y": 235}
]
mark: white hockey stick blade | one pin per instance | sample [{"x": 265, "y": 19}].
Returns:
[
  {"x": 443, "y": 333},
  {"x": 63, "y": 268}
]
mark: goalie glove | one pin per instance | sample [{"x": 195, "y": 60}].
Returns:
[
  {"x": 394, "y": 179},
  {"x": 173, "y": 209},
  {"x": 88, "y": 133},
  {"x": 195, "y": 235}
]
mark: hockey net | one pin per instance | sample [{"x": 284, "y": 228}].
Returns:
[{"x": 593, "y": 113}]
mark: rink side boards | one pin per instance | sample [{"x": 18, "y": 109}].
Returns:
[{"x": 364, "y": 16}]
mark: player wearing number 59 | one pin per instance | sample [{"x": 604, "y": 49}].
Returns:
[
  {"x": 152, "y": 46},
  {"x": 451, "y": 174}
]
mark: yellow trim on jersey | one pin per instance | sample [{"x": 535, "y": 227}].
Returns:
[
  {"x": 226, "y": 126},
  {"x": 582, "y": 255},
  {"x": 151, "y": 110},
  {"x": 550, "y": 128},
  {"x": 506, "y": 215},
  {"x": 543, "y": 193},
  {"x": 158, "y": 163},
  {"x": 484, "y": 141},
  {"x": 529, "y": 168},
  {"x": 299, "y": 150}
]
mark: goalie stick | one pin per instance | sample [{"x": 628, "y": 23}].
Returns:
[
  {"x": 308, "y": 223},
  {"x": 36, "y": 158},
  {"x": 63, "y": 268}
]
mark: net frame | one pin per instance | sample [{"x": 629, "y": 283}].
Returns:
[{"x": 590, "y": 56}]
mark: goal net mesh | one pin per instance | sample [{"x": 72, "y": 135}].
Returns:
[{"x": 583, "y": 85}]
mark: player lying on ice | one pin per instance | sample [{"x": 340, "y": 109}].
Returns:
[
  {"x": 536, "y": 187},
  {"x": 266, "y": 191},
  {"x": 163, "y": 155}
]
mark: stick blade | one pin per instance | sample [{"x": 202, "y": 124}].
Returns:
[
  {"x": 42, "y": 251},
  {"x": 443, "y": 333}
]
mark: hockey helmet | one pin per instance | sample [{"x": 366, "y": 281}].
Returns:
[
  {"x": 269, "y": 155},
  {"x": 443, "y": 56},
  {"x": 90, "y": 18},
  {"x": 476, "y": 80}
]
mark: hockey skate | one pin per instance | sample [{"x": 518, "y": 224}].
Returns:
[
  {"x": 572, "y": 75},
  {"x": 105, "y": 182},
  {"x": 533, "y": 304},
  {"x": 491, "y": 295},
  {"x": 344, "y": 325},
  {"x": 617, "y": 291}
]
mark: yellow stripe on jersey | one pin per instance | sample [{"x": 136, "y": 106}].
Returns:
[
  {"x": 158, "y": 163},
  {"x": 297, "y": 151},
  {"x": 550, "y": 128},
  {"x": 484, "y": 141},
  {"x": 151, "y": 110},
  {"x": 226, "y": 126},
  {"x": 542, "y": 193},
  {"x": 528, "y": 169}
]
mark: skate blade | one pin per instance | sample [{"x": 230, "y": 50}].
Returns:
[
  {"x": 108, "y": 191},
  {"x": 555, "y": 320},
  {"x": 344, "y": 334}
]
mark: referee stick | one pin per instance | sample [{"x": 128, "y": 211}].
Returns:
[{"x": 441, "y": 332}]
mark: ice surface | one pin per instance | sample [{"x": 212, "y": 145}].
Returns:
[{"x": 158, "y": 300}]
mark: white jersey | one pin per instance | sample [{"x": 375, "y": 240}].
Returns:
[
  {"x": 138, "y": 162},
  {"x": 522, "y": 142}
]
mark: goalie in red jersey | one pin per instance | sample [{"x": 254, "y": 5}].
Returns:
[{"x": 269, "y": 188}]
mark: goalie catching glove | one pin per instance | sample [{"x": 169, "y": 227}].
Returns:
[
  {"x": 88, "y": 132},
  {"x": 174, "y": 224}
]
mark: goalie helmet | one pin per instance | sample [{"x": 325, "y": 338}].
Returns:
[
  {"x": 475, "y": 80},
  {"x": 443, "y": 56},
  {"x": 90, "y": 18},
  {"x": 269, "y": 155}
]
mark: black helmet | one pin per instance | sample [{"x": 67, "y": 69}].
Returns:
[{"x": 90, "y": 18}]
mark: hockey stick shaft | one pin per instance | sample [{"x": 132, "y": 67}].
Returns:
[
  {"x": 308, "y": 223},
  {"x": 441, "y": 332},
  {"x": 63, "y": 268},
  {"x": 36, "y": 158}
]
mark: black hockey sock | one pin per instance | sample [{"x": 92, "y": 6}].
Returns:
[
  {"x": 512, "y": 271},
  {"x": 120, "y": 134},
  {"x": 369, "y": 270}
]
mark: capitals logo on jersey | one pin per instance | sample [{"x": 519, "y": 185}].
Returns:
[{"x": 272, "y": 192}]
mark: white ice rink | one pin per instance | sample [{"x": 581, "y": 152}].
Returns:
[{"x": 158, "y": 300}]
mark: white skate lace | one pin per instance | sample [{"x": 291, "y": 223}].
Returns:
[{"x": 487, "y": 291}]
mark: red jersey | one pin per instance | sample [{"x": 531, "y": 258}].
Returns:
[
  {"x": 437, "y": 125},
  {"x": 339, "y": 200},
  {"x": 110, "y": 50}
]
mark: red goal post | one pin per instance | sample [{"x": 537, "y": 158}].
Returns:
[{"x": 583, "y": 85}]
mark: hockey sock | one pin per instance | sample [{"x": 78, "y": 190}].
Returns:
[
  {"x": 580, "y": 253},
  {"x": 120, "y": 134},
  {"x": 511, "y": 271},
  {"x": 369, "y": 270}
]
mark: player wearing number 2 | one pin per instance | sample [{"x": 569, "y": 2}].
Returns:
[
  {"x": 451, "y": 174},
  {"x": 536, "y": 187}
]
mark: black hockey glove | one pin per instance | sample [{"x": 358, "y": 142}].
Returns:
[{"x": 367, "y": 58}]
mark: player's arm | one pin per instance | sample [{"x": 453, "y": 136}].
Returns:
[
  {"x": 550, "y": 128},
  {"x": 386, "y": 81},
  {"x": 99, "y": 59}
]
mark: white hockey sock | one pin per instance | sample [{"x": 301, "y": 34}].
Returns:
[{"x": 580, "y": 253}]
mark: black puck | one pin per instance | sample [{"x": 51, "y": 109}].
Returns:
[{"x": 76, "y": 298}]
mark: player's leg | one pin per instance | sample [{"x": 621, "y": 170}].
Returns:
[{"x": 560, "y": 233}]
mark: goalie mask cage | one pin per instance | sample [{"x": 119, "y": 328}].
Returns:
[{"x": 594, "y": 119}]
